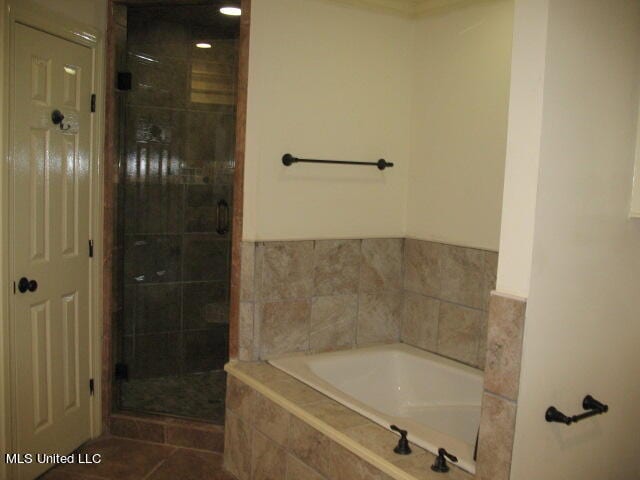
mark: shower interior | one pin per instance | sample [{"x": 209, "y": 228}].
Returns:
[{"x": 175, "y": 186}]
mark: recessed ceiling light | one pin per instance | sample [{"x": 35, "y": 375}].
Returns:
[
  {"x": 234, "y": 11},
  {"x": 203, "y": 45}
]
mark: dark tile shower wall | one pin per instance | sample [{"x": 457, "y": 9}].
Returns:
[{"x": 179, "y": 141}]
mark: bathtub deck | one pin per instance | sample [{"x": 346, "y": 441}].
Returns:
[{"x": 295, "y": 429}]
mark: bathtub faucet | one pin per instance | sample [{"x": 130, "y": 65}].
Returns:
[
  {"x": 403, "y": 447},
  {"x": 440, "y": 465}
]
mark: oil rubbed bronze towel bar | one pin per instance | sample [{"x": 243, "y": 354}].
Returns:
[
  {"x": 288, "y": 160},
  {"x": 590, "y": 404}
]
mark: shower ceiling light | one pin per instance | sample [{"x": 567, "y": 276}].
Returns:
[
  {"x": 203, "y": 45},
  {"x": 234, "y": 11}
]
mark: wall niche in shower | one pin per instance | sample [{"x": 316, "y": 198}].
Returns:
[{"x": 174, "y": 209}]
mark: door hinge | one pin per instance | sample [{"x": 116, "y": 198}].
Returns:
[
  {"x": 91, "y": 386},
  {"x": 121, "y": 372},
  {"x": 124, "y": 81},
  {"x": 14, "y": 288},
  {"x": 90, "y": 248},
  {"x": 93, "y": 103}
]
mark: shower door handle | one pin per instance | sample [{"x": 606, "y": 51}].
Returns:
[{"x": 223, "y": 217}]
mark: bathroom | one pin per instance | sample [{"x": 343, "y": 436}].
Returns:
[{"x": 328, "y": 239}]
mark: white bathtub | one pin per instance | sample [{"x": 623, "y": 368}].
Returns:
[{"x": 435, "y": 399}]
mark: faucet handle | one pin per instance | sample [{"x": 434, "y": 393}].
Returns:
[
  {"x": 440, "y": 465},
  {"x": 403, "y": 447}
]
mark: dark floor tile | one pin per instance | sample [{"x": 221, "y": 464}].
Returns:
[
  {"x": 191, "y": 465},
  {"x": 127, "y": 427},
  {"x": 121, "y": 459},
  {"x": 56, "y": 474}
]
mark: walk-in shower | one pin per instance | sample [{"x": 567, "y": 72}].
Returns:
[{"x": 177, "y": 93}]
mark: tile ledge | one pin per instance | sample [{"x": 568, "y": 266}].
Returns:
[
  {"x": 497, "y": 293},
  {"x": 323, "y": 427}
]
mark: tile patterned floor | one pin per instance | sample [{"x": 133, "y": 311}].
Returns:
[
  {"x": 195, "y": 395},
  {"x": 124, "y": 459}
]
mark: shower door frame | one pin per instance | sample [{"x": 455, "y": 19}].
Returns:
[{"x": 110, "y": 205}]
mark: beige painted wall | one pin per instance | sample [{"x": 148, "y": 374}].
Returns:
[
  {"x": 326, "y": 81},
  {"x": 582, "y": 325},
  {"x": 89, "y": 12},
  {"x": 460, "y": 99},
  {"x": 523, "y": 146},
  {"x": 334, "y": 81}
]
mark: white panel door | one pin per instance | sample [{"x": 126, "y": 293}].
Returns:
[{"x": 50, "y": 220}]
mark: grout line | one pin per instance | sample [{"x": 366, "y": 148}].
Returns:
[{"x": 502, "y": 397}]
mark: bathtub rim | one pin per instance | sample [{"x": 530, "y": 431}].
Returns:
[
  {"x": 464, "y": 450},
  {"x": 321, "y": 426}
]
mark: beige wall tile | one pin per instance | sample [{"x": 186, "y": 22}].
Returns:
[
  {"x": 247, "y": 271},
  {"x": 379, "y": 318},
  {"x": 458, "y": 332},
  {"x": 240, "y": 398},
  {"x": 420, "y": 321},
  {"x": 298, "y": 470},
  {"x": 310, "y": 446},
  {"x": 262, "y": 372},
  {"x": 333, "y": 322},
  {"x": 284, "y": 328},
  {"x": 296, "y": 392},
  {"x": 497, "y": 425},
  {"x": 346, "y": 465},
  {"x": 269, "y": 460},
  {"x": 336, "y": 267},
  {"x": 287, "y": 270},
  {"x": 490, "y": 275},
  {"x": 422, "y": 267},
  {"x": 462, "y": 276},
  {"x": 482, "y": 342},
  {"x": 381, "y": 269},
  {"x": 271, "y": 419},
  {"x": 246, "y": 339},
  {"x": 336, "y": 415},
  {"x": 504, "y": 345},
  {"x": 237, "y": 446}
]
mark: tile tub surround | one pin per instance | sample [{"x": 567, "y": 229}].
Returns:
[
  {"x": 446, "y": 300},
  {"x": 278, "y": 428},
  {"x": 326, "y": 295},
  {"x": 319, "y": 295},
  {"x": 502, "y": 378}
]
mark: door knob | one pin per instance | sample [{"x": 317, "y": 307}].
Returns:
[
  {"x": 57, "y": 117},
  {"x": 25, "y": 284}
]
